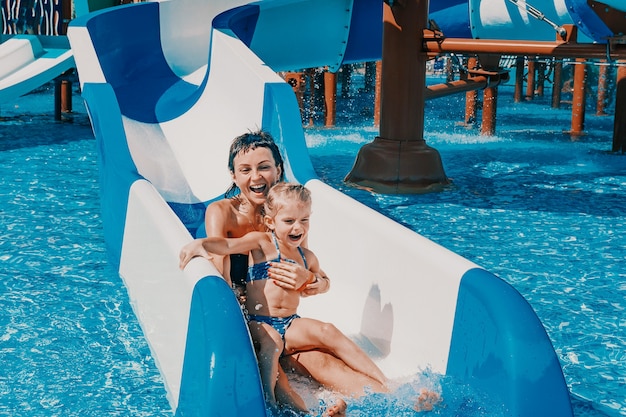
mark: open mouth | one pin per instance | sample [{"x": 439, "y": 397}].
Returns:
[
  {"x": 259, "y": 189},
  {"x": 295, "y": 238}
]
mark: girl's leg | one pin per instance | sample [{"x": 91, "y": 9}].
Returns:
[
  {"x": 270, "y": 346},
  {"x": 308, "y": 334},
  {"x": 275, "y": 383}
]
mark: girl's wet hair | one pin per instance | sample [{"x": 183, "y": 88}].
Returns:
[
  {"x": 248, "y": 142},
  {"x": 285, "y": 191}
]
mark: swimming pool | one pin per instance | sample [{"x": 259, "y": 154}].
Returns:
[{"x": 543, "y": 212}]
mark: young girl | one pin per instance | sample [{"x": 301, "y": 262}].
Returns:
[{"x": 272, "y": 309}]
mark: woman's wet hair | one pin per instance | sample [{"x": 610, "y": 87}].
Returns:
[
  {"x": 282, "y": 192},
  {"x": 248, "y": 142}
]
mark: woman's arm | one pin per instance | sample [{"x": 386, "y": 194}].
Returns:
[
  {"x": 229, "y": 246},
  {"x": 215, "y": 220},
  {"x": 190, "y": 251}
]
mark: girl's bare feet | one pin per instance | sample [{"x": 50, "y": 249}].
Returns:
[
  {"x": 426, "y": 400},
  {"x": 337, "y": 409}
]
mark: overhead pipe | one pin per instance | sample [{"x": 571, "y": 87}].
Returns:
[
  {"x": 436, "y": 43},
  {"x": 477, "y": 82}
]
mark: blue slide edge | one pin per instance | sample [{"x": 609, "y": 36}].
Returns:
[
  {"x": 220, "y": 373},
  {"x": 116, "y": 167},
  {"x": 495, "y": 331}
]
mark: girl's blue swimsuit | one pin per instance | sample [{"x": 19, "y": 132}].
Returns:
[{"x": 258, "y": 272}]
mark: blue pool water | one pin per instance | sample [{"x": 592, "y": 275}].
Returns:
[{"x": 545, "y": 213}]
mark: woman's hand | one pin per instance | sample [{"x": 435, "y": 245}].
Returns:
[
  {"x": 292, "y": 276},
  {"x": 190, "y": 251},
  {"x": 289, "y": 275}
]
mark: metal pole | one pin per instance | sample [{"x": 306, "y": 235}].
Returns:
[
  {"x": 602, "y": 89},
  {"x": 379, "y": 71},
  {"x": 541, "y": 78},
  {"x": 519, "y": 79},
  {"x": 330, "y": 97},
  {"x": 471, "y": 97},
  {"x": 399, "y": 161},
  {"x": 578, "y": 99},
  {"x": 530, "y": 84},
  {"x": 557, "y": 85},
  {"x": 490, "y": 101},
  {"x": 619, "y": 128}
]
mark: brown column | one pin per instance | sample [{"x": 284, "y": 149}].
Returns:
[
  {"x": 449, "y": 70},
  {"x": 578, "y": 98},
  {"x": 471, "y": 97},
  {"x": 62, "y": 95},
  {"x": 379, "y": 72},
  {"x": 530, "y": 83},
  {"x": 519, "y": 79},
  {"x": 619, "y": 127},
  {"x": 399, "y": 161},
  {"x": 557, "y": 85},
  {"x": 330, "y": 97},
  {"x": 541, "y": 78},
  {"x": 602, "y": 88},
  {"x": 490, "y": 103}
]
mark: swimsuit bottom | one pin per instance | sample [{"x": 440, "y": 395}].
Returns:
[{"x": 281, "y": 324}]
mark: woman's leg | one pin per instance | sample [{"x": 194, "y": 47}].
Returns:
[{"x": 348, "y": 370}]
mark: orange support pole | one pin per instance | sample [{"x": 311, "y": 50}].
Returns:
[
  {"x": 490, "y": 102},
  {"x": 619, "y": 127},
  {"x": 379, "y": 72},
  {"x": 530, "y": 83},
  {"x": 557, "y": 85},
  {"x": 578, "y": 99},
  {"x": 541, "y": 78},
  {"x": 471, "y": 97},
  {"x": 330, "y": 98},
  {"x": 399, "y": 161},
  {"x": 62, "y": 95},
  {"x": 602, "y": 88},
  {"x": 449, "y": 70},
  {"x": 519, "y": 79}
]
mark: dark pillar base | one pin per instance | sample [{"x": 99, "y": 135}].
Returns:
[{"x": 398, "y": 167}]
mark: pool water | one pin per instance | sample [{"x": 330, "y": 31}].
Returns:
[
  {"x": 70, "y": 344},
  {"x": 543, "y": 212}
]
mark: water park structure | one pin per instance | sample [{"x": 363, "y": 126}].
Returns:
[{"x": 166, "y": 100}]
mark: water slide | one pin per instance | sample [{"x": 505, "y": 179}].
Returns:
[
  {"x": 30, "y": 61},
  {"x": 167, "y": 86}
]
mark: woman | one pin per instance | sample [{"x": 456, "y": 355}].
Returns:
[{"x": 255, "y": 164}]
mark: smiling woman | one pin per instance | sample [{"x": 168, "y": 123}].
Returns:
[{"x": 255, "y": 164}]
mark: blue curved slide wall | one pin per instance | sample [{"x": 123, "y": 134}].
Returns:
[{"x": 168, "y": 85}]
